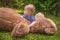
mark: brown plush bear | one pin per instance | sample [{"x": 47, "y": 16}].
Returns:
[
  {"x": 9, "y": 18},
  {"x": 21, "y": 29},
  {"x": 43, "y": 25}
]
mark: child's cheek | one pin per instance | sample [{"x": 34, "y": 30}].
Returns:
[{"x": 25, "y": 11}]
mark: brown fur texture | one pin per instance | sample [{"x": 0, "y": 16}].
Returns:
[
  {"x": 21, "y": 29},
  {"x": 9, "y": 18},
  {"x": 43, "y": 25}
]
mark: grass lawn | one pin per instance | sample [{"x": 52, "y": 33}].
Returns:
[{"x": 30, "y": 36}]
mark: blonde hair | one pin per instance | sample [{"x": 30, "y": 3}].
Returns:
[{"x": 31, "y": 7}]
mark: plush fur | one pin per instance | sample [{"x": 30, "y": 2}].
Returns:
[
  {"x": 9, "y": 18},
  {"x": 21, "y": 29},
  {"x": 43, "y": 25}
]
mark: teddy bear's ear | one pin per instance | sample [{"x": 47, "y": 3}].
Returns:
[{"x": 39, "y": 15}]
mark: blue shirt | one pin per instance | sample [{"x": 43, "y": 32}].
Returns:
[{"x": 31, "y": 18}]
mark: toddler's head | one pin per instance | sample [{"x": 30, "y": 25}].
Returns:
[{"x": 29, "y": 10}]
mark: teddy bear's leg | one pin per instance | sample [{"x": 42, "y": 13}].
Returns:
[{"x": 21, "y": 29}]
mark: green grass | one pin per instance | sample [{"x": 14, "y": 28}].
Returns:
[{"x": 30, "y": 36}]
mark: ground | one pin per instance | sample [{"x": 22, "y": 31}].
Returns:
[{"x": 30, "y": 36}]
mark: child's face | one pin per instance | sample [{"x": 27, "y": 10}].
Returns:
[{"x": 27, "y": 12}]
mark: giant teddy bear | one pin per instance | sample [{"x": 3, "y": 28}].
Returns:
[{"x": 10, "y": 20}]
